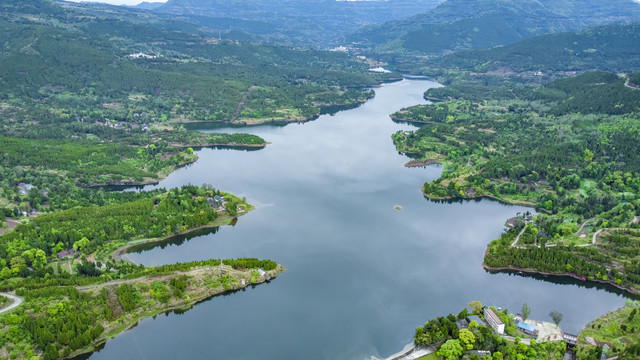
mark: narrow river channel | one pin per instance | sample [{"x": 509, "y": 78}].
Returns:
[{"x": 361, "y": 275}]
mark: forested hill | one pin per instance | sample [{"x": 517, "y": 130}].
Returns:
[
  {"x": 461, "y": 24},
  {"x": 569, "y": 148},
  {"x": 607, "y": 48},
  {"x": 68, "y": 63},
  {"x": 305, "y": 22}
]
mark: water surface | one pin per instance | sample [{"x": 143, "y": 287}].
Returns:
[{"x": 361, "y": 275}]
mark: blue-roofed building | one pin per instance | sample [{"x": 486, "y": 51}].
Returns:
[{"x": 528, "y": 329}]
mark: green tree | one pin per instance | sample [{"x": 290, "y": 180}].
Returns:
[
  {"x": 588, "y": 155},
  {"x": 80, "y": 244},
  {"x": 6, "y": 273},
  {"x": 525, "y": 311},
  {"x": 17, "y": 263},
  {"x": 451, "y": 349},
  {"x": 40, "y": 260},
  {"x": 497, "y": 356},
  {"x": 556, "y": 317},
  {"x": 467, "y": 338},
  {"x": 476, "y": 306}
]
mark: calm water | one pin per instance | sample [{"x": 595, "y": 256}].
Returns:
[{"x": 360, "y": 275}]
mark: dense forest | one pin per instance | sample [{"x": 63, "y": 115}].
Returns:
[
  {"x": 569, "y": 148},
  {"x": 25, "y": 250},
  {"x": 58, "y": 320},
  {"x": 45, "y": 260},
  {"x": 463, "y": 25},
  {"x": 608, "y": 48},
  {"x": 69, "y": 64}
]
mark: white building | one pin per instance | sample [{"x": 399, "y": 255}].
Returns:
[{"x": 493, "y": 320}]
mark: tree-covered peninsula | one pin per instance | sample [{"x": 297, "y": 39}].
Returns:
[
  {"x": 77, "y": 289},
  {"x": 568, "y": 148}
]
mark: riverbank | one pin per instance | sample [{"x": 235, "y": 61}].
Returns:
[
  {"x": 514, "y": 269},
  {"x": 412, "y": 352},
  {"x": 480, "y": 196},
  {"x": 120, "y": 253},
  {"x": 161, "y": 175},
  {"x": 203, "y": 283}
]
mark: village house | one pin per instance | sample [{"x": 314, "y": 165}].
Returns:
[
  {"x": 64, "y": 253},
  {"x": 528, "y": 329},
  {"x": 462, "y": 324},
  {"x": 214, "y": 204},
  {"x": 493, "y": 320},
  {"x": 571, "y": 340},
  {"x": 480, "y": 353}
]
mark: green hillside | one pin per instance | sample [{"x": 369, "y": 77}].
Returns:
[
  {"x": 458, "y": 24},
  {"x": 92, "y": 67},
  {"x": 607, "y": 48},
  {"x": 569, "y": 148}
]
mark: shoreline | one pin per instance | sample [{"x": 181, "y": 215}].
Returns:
[
  {"x": 481, "y": 196},
  {"x": 163, "y": 175},
  {"x": 121, "y": 252},
  {"x": 245, "y": 123},
  {"x": 128, "y": 325},
  {"x": 150, "y": 181},
  {"x": 514, "y": 269}
]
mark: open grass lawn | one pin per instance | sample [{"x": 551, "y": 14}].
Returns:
[{"x": 431, "y": 356}]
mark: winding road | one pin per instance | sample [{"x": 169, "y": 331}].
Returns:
[{"x": 17, "y": 300}]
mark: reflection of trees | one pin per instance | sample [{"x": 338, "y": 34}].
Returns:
[{"x": 176, "y": 240}]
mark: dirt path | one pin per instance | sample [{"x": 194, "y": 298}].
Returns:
[
  {"x": 595, "y": 236},
  {"x": 582, "y": 226},
  {"x": 10, "y": 225},
  {"x": 629, "y": 84},
  {"x": 513, "y": 244},
  {"x": 17, "y": 300},
  {"x": 241, "y": 104}
]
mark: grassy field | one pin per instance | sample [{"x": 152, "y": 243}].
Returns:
[{"x": 431, "y": 356}]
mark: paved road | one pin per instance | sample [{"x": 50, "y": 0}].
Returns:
[{"x": 17, "y": 300}]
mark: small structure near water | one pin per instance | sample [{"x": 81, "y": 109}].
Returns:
[
  {"x": 494, "y": 320},
  {"x": 528, "y": 329}
]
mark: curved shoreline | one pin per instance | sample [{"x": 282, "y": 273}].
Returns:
[
  {"x": 271, "y": 274},
  {"x": 481, "y": 196},
  {"x": 121, "y": 252},
  {"x": 514, "y": 269}
]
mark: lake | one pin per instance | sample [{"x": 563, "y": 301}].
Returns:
[{"x": 361, "y": 275}]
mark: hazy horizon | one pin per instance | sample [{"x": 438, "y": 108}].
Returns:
[{"x": 120, "y": 2}]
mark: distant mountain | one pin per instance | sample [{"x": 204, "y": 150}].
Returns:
[
  {"x": 149, "y": 5},
  {"x": 318, "y": 22},
  {"x": 611, "y": 48},
  {"x": 464, "y": 24},
  {"x": 67, "y": 62}
]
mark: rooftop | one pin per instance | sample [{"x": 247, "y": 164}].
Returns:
[{"x": 493, "y": 316}]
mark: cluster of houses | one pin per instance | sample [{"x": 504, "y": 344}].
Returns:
[
  {"x": 217, "y": 202},
  {"x": 24, "y": 188},
  {"x": 492, "y": 320}
]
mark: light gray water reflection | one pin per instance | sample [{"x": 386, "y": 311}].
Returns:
[{"x": 360, "y": 275}]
